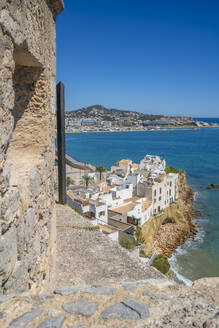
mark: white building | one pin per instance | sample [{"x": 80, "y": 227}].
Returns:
[
  {"x": 135, "y": 210},
  {"x": 161, "y": 191},
  {"x": 152, "y": 163},
  {"x": 92, "y": 208}
]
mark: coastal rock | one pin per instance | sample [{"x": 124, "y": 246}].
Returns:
[
  {"x": 174, "y": 226},
  {"x": 212, "y": 186}
]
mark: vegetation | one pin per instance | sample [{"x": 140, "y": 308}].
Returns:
[
  {"x": 142, "y": 253},
  {"x": 139, "y": 235},
  {"x": 87, "y": 180},
  {"x": 76, "y": 209},
  {"x": 161, "y": 263},
  {"x": 69, "y": 181},
  {"x": 172, "y": 169},
  {"x": 128, "y": 243},
  {"x": 89, "y": 228},
  {"x": 101, "y": 169}
]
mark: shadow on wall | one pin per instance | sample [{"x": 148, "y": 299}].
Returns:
[{"x": 29, "y": 118}]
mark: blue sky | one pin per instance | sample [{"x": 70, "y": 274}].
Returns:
[{"x": 152, "y": 56}]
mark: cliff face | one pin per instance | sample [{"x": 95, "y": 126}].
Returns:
[{"x": 165, "y": 232}]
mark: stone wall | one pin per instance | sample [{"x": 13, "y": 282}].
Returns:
[{"x": 27, "y": 134}]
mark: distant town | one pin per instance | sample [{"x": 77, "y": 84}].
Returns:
[{"x": 98, "y": 118}]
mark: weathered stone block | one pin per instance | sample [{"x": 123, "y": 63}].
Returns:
[
  {"x": 24, "y": 319},
  {"x": 82, "y": 307},
  {"x": 52, "y": 322},
  {"x": 12, "y": 28},
  {"x": 30, "y": 224},
  {"x": 8, "y": 253},
  {"x": 34, "y": 183},
  {"x": 10, "y": 205},
  {"x": 4, "y": 177}
]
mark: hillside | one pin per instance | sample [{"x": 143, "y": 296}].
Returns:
[{"x": 106, "y": 114}]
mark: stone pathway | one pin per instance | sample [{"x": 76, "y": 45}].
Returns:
[
  {"x": 152, "y": 303},
  {"x": 86, "y": 257}
]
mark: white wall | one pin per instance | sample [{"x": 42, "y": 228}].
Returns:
[
  {"x": 146, "y": 215},
  {"x": 133, "y": 179},
  {"x": 124, "y": 192},
  {"x": 98, "y": 210},
  {"x": 114, "y": 236}
]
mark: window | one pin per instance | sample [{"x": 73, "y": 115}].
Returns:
[
  {"x": 170, "y": 192},
  {"x": 102, "y": 213},
  {"x": 154, "y": 200},
  {"x": 155, "y": 193},
  {"x": 160, "y": 198},
  {"x": 170, "y": 183},
  {"x": 160, "y": 190}
]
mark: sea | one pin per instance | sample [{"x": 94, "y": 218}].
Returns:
[{"x": 195, "y": 151}]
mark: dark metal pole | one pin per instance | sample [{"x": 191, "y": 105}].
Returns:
[{"x": 60, "y": 95}]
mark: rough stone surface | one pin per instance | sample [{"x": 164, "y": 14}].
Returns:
[
  {"x": 82, "y": 307},
  {"x": 119, "y": 311},
  {"x": 152, "y": 295},
  {"x": 12, "y": 27},
  {"x": 141, "y": 309},
  {"x": 52, "y": 322},
  {"x": 213, "y": 322},
  {"x": 69, "y": 290},
  {"x": 99, "y": 291},
  {"x": 24, "y": 319},
  {"x": 195, "y": 306},
  {"x": 27, "y": 135},
  {"x": 86, "y": 254}
]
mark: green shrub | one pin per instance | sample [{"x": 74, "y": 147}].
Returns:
[
  {"x": 161, "y": 263},
  {"x": 142, "y": 253},
  {"x": 69, "y": 181},
  {"x": 139, "y": 235},
  {"x": 127, "y": 243},
  {"x": 172, "y": 169}
]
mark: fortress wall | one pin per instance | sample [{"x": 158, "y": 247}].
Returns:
[{"x": 27, "y": 134}]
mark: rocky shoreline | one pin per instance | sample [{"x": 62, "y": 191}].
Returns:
[
  {"x": 172, "y": 234},
  {"x": 212, "y": 186}
]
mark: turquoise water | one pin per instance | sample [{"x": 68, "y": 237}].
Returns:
[{"x": 197, "y": 152}]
